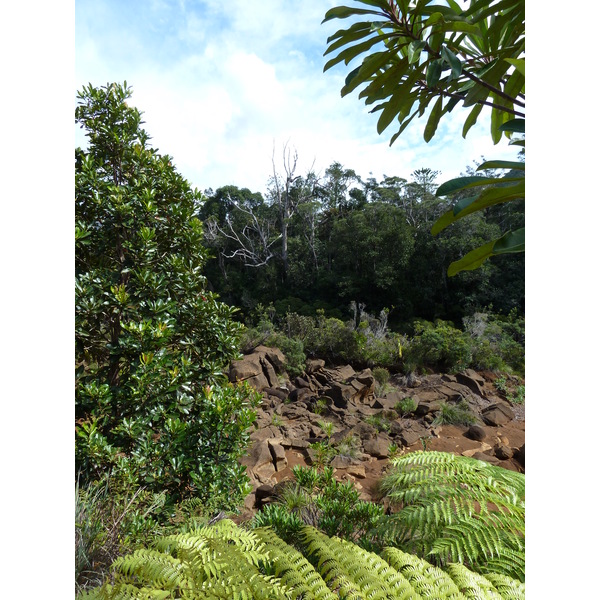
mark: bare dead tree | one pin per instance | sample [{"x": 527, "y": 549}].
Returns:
[
  {"x": 253, "y": 243},
  {"x": 287, "y": 192}
]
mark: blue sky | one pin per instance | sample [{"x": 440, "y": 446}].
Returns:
[{"x": 221, "y": 84}]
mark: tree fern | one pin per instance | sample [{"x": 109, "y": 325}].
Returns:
[
  {"x": 225, "y": 561},
  {"x": 458, "y": 509},
  {"x": 294, "y": 570},
  {"x": 429, "y": 581}
]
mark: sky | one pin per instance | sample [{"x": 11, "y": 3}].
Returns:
[{"x": 224, "y": 86}]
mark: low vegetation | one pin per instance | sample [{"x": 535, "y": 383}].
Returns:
[{"x": 226, "y": 561}]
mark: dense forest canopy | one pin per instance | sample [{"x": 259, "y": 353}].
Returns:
[{"x": 350, "y": 240}]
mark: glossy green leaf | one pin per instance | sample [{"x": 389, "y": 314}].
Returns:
[
  {"x": 343, "y": 12},
  {"x": 471, "y": 119},
  {"x": 347, "y": 38},
  {"x": 514, "y": 125},
  {"x": 434, "y": 119},
  {"x": 434, "y": 72},
  {"x": 487, "y": 198},
  {"x": 453, "y": 61},
  {"x": 459, "y": 183},
  {"x": 476, "y": 94},
  {"x": 472, "y": 260},
  {"x": 414, "y": 50},
  {"x": 347, "y": 55},
  {"x": 513, "y": 241},
  {"x": 517, "y": 63},
  {"x": 501, "y": 164}
]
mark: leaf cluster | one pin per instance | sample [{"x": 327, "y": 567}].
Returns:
[
  {"x": 458, "y": 509},
  {"x": 419, "y": 53}
]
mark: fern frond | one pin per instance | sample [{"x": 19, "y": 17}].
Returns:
[
  {"x": 508, "y": 588},
  {"x": 295, "y": 571},
  {"x": 427, "y": 580},
  {"x": 473, "y": 585}
]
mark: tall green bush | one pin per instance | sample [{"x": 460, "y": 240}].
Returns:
[
  {"x": 438, "y": 346},
  {"x": 153, "y": 407}
]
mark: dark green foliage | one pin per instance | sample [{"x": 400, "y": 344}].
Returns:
[
  {"x": 438, "y": 346},
  {"x": 153, "y": 407},
  {"x": 458, "y": 509}
]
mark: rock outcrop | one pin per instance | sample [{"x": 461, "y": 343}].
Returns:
[{"x": 363, "y": 428}]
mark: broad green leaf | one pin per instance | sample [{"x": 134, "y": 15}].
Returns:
[
  {"x": 414, "y": 50},
  {"x": 514, "y": 125},
  {"x": 434, "y": 71},
  {"x": 472, "y": 260},
  {"x": 493, "y": 196},
  {"x": 517, "y": 143},
  {"x": 498, "y": 117},
  {"x": 369, "y": 66},
  {"x": 449, "y": 216},
  {"x": 501, "y": 164},
  {"x": 395, "y": 105},
  {"x": 476, "y": 94},
  {"x": 517, "y": 63},
  {"x": 347, "y": 39},
  {"x": 434, "y": 119},
  {"x": 487, "y": 198},
  {"x": 464, "y": 27},
  {"x": 403, "y": 127},
  {"x": 366, "y": 26},
  {"x": 343, "y": 12},
  {"x": 459, "y": 183},
  {"x": 513, "y": 241},
  {"x": 471, "y": 119},
  {"x": 453, "y": 61},
  {"x": 352, "y": 52}
]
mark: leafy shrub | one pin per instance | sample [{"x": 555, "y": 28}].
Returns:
[
  {"x": 519, "y": 395},
  {"x": 455, "y": 414},
  {"x": 439, "y": 346},
  {"x": 498, "y": 341},
  {"x": 381, "y": 375},
  {"x": 316, "y": 498},
  {"x": 153, "y": 406},
  {"x": 379, "y": 422},
  {"x": 348, "y": 447},
  {"x": 406, "y": 406}
]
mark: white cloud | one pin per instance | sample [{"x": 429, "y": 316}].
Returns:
[{"x": 223, "y": 86}]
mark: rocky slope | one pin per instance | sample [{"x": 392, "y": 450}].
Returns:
[{"x": 367, "y": 424}]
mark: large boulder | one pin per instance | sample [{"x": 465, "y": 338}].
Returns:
[
  {"x": 497, "y": 414},
  {"x": 260, "y": 368}
]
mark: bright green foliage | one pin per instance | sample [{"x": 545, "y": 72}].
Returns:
[
  {"x": 455, "y": 414},
  {"x": 458, "y": 509},
  {"x": 425, "y": 57},
  {"x": 152, "y": 404},
  {"x": 226, "y": 561},
  {"x": 316, "y": 498}
]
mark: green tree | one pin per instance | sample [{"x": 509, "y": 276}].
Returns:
[
  {"x": 152, "y": 404},
  {"x": 425, "y": 57}
]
